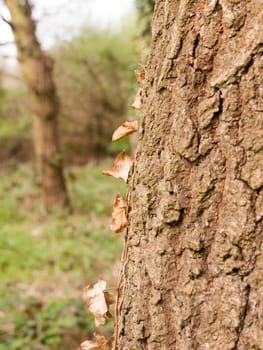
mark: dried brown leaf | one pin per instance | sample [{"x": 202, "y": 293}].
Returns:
[
  {"x": 110, "y": 299},
  {"x": 99, "y": 343},
  {"x": 95, "y": 300},
  {"x": 137, "y": 104},
  {"x": 120, "y": 167},
  {"x": 125, "y": 129},
  {"x": 140, "y": 75},
  {"x": 119, "y": 220}
]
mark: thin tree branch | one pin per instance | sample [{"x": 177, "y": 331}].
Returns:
[
  {"x": 7, "y": 43},
  {"x": 6, "y": 21},
  {"x": 13, "y": 76},
  {"x": 6, "y": 56}
]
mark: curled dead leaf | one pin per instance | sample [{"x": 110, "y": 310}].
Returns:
[
  {"x": 137, "y": 104},
  {"x": 99, "y": 343},
  {"x": 110, "y": 299},
  {"x": 120, "y": 167},
  {"x": 140, "y": 74},
  {"x": 125, "y": 129},
  {"x": 119, "y": 220},
  {"x": 97, "y": 301}
]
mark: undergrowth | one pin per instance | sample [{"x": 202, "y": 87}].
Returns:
[{"x": 46, "y": 261}]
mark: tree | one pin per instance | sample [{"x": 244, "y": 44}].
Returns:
[
  {"x": 192, "y": 270},
  {"x": 99, "y": 59},
  {"x": 37, "y": 70}
]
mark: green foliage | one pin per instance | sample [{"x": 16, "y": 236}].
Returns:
[
  {"x": 94, "y": 75},
  {"x": 95, "y": 82},
  {"x": 15, "y": 121},
  {"x": 39, "y": 325},
  {"x": 145, "y": 10},
  {"x": 14, "y": 114},
  {"x": 12, "y": 129},
  {"x": 119, "y": 145},
  {"x": 45, "y": 262},
  {"x": 2, "y": 95}
]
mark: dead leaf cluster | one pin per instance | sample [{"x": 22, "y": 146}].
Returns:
[
  {"x": 120, "y": 167},
  {"x": 97, "y": 301},
  {"x": 140, "y": 74},
  {"x": 98, "y": 343},
  {"x": 96, "y": 298},
  {"x": 137, "y": 104},
  {"x": 124, "y": 130},
  {"x": 119, "y": 220}
]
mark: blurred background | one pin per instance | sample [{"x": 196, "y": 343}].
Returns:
[{"x": 47, "y": 257}]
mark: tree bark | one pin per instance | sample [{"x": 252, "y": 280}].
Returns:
[
  {"x": 192, "y": 270},
  {"x": 37, "y": 70}
]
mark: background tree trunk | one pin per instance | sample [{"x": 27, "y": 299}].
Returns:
[
  {"x": 192, "y": 274},
  {"x": 37, "y": 69}
]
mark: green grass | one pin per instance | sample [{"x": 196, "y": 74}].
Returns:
[
  {"x": 45, "y": 262},
  {"x": 13, "y": 129}
]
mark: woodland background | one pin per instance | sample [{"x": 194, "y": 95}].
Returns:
[{"x": 46, "y": 261}]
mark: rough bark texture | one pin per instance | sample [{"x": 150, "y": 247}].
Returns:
[
  {"x": 192, "y": 274},
  {"x": 37, "y": 69}
]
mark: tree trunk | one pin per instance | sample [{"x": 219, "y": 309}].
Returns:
[
  {"x": 192, "y": 275},
  {"x": 37, "y": 69}
]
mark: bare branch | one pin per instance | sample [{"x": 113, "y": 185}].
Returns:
[
  {"x": 6, "y": 21},
  {"x": 13, "y": 76},
  {"x": 7, "y": 57},
  {"x": 7, "y": 43}
]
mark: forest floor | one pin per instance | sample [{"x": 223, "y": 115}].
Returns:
[{"x": 45, "y": 262}]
